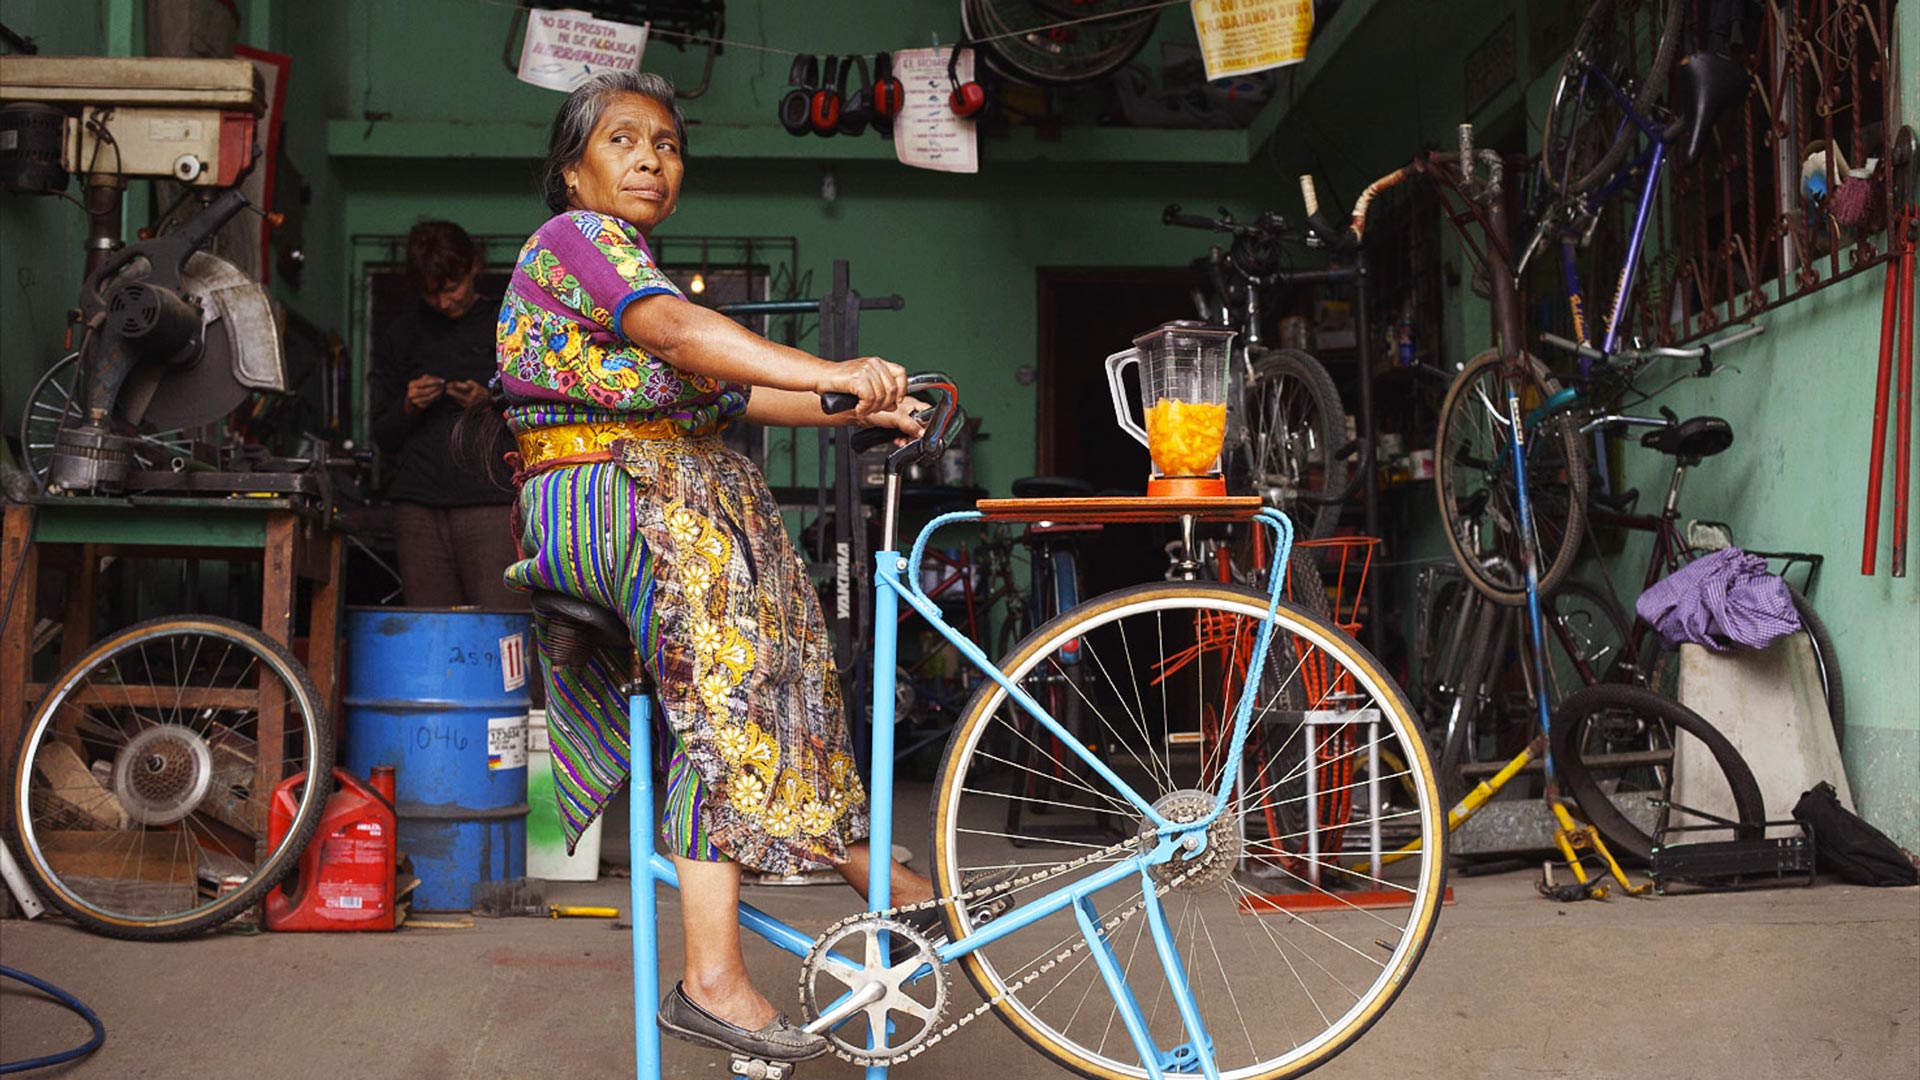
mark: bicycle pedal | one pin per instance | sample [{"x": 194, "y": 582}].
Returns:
[{"x": 755, "y": 1069}]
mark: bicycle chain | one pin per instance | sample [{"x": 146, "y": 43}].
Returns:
[{"x": 1107, "y": 926}]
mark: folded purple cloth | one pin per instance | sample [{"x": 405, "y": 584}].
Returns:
[{"x": 1725, "y": 601}]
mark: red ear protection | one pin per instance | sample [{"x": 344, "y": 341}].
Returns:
[
  {"x": 857, "y": 111},
  {"x": 825, "y": 113},
  {"x": 967, "y": 98},
  {"x": 797, "y": 105},
  {"x": 888, "y": 94}
]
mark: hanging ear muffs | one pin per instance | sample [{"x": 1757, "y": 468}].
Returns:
[
  {"x": 856, "y": 110},
  {"x": 825, "y": 113},
  {"x": 966, "y": 99},
  {"x": 796, "y": 107},
  {"x": 888, "y": 93}
]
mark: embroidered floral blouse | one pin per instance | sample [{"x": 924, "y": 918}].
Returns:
[{"x": 564, "y": 358}]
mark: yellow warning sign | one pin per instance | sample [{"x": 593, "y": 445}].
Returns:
[{"x": 1240, "y": 37}]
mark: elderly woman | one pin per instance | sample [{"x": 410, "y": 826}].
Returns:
[{"x": 616, "y": 389}]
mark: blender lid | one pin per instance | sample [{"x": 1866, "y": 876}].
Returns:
[{"x": 1192, "y": 327}]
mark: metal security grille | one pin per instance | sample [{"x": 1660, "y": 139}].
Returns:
[{"x": 1736, "y": 233}]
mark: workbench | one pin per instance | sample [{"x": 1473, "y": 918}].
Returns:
[{"x": 288, "y": 535}]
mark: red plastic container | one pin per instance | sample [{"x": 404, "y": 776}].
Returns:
[{"x": 345, "y": 877}]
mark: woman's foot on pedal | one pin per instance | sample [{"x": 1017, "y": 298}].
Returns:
[{"x": 778, "y": 1040}]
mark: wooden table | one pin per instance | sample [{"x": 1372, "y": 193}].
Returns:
[{"x": 287, "y": 535}]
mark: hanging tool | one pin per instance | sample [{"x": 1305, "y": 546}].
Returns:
[{"x": 1896, "y": 322}]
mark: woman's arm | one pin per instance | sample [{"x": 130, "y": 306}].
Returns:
[
  {"x": 703, "y": 342},
  {"x": 801, "y": 408}
]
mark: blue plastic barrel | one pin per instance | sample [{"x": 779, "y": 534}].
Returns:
[{"x": 441, "y": 695}]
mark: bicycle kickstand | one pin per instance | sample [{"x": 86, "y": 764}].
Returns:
[{"x": 1572, "y": 838}]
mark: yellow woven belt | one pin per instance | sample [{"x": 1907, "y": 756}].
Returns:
[{"x": 570, "y": 443}]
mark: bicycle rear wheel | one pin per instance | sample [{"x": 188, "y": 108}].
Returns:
[
  {"x": 1587, "y": 135},
  {"x": 1630, "y": 758},
  {"x": 1479, "y": 500},
  {"x": 137, "y": 794},
  {"x": 1294, "y": 427},
  {"x": 1157, "y": 658}
]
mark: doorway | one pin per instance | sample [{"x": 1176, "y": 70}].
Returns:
[{"x": 1086, "y": 315}]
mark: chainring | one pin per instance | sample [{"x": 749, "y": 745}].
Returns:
[{"x": 913, "y": 997}]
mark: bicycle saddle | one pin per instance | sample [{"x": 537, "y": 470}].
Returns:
[
  {"x": 1705, "y": 85},
  {"x": 1696, "y": 438},
  {"x": 576, "y": 628},
  {"x": 1051, "y": 487}
]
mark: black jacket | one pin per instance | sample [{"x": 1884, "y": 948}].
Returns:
[{"x": 423, "y": 465}]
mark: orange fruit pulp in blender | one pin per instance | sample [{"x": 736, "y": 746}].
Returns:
[{"x": 1184, "y": 438}]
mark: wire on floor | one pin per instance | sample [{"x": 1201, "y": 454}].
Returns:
[{"x": 71, "y": 1002}]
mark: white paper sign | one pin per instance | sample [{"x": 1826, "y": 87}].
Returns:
[
  {"x": 1240, "y": 37},
  {"x": 926, "y": 134},
  {"x": 507, "y": 742},
  {"x": 513, "y": 662},
  {"x": 566, "y": 48}
]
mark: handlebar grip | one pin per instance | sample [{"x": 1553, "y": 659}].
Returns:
[
  {"x": 1309, "y": 196},
  {"x": 836, "y": 401},
  {"x": 1466, "y": 151},
  {"x": 1172, "y": 216}
]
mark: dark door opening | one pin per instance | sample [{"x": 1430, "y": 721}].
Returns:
[{"x": 1085, "y": 316}]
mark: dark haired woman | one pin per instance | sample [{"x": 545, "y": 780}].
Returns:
[
  {"x": 431, "y": 362},
  {"x": 616, "y": 388}
]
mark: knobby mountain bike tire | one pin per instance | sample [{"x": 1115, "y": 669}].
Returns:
[
  {"x": 1473, "y": 479},
  {"x": 1294, "y": 428},
  {"x": 1154, "y": 656},
  {"x": 1652, "y": 735},
  {"x": 135, "y": 794},
  {"x": 1575, "y": 107}
]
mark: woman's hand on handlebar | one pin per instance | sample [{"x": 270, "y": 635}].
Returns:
[
  {"x": 902, "y": 419},
  {"x": 880, "y": 385}
]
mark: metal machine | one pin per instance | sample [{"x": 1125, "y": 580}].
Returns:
[{"x": 172, "y": 336}]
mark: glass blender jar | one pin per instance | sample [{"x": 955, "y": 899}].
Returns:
[{"x": 1183, "y": 396}]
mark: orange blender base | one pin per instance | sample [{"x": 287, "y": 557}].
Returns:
[{"x": 1186, "y": 487}]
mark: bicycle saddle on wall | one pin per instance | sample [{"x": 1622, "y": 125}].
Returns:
[{"x": 1706, "y": 85}]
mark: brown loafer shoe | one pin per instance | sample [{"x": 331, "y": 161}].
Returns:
[{"x": 683, "y": 1018}]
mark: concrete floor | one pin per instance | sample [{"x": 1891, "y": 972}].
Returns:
[{"x": 1821, "y": 982}]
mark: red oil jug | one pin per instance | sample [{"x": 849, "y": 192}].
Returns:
[{"x": 346, "y": 875}]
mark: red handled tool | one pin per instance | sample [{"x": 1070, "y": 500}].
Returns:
[{"x": 1896, "y": 322}]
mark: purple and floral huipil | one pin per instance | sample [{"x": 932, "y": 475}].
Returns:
[{"x": 563, "y": 356}]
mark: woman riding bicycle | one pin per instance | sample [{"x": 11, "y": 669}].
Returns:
[{"x": 616, "y": 389}]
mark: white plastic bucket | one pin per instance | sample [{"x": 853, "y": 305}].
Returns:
[{"x": 546, "y": 841}]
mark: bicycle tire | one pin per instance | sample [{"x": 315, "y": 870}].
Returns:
[
  {"x": 1103, "y": 625},
  {"x": 1294, "y": 420},
  {"x": 184, "y": 759},
  {"x": 1571, "y": 723},
  {"x": 1658, "y": 666},
  {"x": 1649, "y": 89},
  {"x": 42, "y": 418},
  {"x": 1556, "y": 473},
  {"x": 1018, "y": 57}
]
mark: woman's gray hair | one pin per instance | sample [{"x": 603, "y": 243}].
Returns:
[{"x": 573, "y": 125}]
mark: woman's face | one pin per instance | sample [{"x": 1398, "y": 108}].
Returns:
[{"x": 632, "y": 167}]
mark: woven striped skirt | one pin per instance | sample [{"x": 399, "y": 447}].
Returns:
[{"x": 682, "y": 538}]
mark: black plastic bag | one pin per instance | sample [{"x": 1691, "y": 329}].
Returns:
[{"x": 1845, "y": 845}]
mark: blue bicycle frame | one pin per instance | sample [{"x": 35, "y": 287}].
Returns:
[{"x": 896, "y": 580}]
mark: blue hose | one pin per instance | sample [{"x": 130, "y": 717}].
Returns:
[{"x": 71, "y": 1002}]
